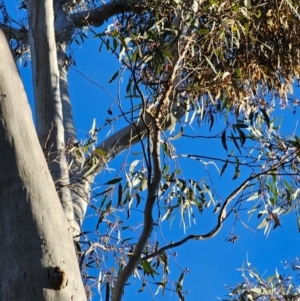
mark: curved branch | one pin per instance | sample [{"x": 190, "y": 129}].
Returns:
[
  {"x": 223, "y": 215},
  {"x": 122, "y": 139},
  {"x": 153, "y": 184},
  {"x": 112, "y": 146},
  {"x": 97, "y": 16}
]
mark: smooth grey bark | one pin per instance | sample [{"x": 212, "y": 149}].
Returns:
[
  {"x": 68, "y": 122},
  {"x": 97, "y": 16},
  {"x": 35, "y": 234},
  {"x": 64, "y": 29},
  {"x": 48, "y": 103},
  {"x": 45, "y": 75},
  {"x": 112, "y": 146}
]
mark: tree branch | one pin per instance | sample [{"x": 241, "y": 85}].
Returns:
[
  {"x": 112, "y": 146},
  {"x": 153, "y": 186},
  {"x": 223, "y": 215},
  {"x": 97, "y": 16}
]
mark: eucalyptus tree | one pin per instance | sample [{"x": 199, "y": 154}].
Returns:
[{"x": 185, "y": 63}]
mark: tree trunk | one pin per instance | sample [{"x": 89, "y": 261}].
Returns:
[
  {"x": 49, "y": 112},
  {"x": 38, "y": 260}
]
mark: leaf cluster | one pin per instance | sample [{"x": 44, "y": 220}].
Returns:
[{"x": 227, "y": 55}]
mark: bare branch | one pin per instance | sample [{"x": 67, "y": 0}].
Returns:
[{"x": 97, "y": 16}]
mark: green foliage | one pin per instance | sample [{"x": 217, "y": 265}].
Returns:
[
  {"x": 276, "y": 287},
  {"x": 226, "y": 56},
  {"x": 225, "y": 60}
]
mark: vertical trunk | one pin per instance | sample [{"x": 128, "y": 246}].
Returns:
[
  {"x": 64, "y": 29},
  {"x": 46, "y": 81},
  {"x": 35, "y": 235},
  {"x": 68, "y": 123}
]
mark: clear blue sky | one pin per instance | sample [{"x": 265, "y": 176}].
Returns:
[{"x": 214, "y": 262}]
